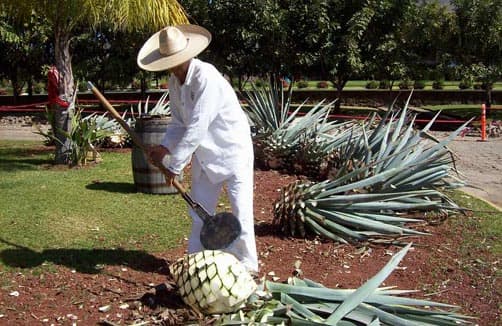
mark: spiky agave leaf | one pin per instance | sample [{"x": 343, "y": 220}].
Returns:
[
  {"x": 284, "y": 140},
  {"x": 317, "y": 154},
  {"x": 394, "y": 143},
  {"x": 353, "y": 208},
  {"x": 161, "y": 107},
  {"x": 305, "y": 302}
]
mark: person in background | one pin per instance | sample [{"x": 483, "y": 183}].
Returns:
[{"x": 208, "y": 128}]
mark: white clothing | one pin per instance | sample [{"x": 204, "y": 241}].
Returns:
[
  {"x": 240, "y": 193},
  {"x": 208, "y": 122}
]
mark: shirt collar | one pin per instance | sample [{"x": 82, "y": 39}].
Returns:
[{"x": 191, "y": 68}]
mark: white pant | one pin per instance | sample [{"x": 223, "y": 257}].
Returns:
[{"x": 240, "y": 194}]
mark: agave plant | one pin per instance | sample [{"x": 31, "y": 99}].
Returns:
[
  {"x": 84, "y": 135},
  {"x": 381, "y": 177},
  {"x": 355, "y": 211},
  {"x": 394, "y": 143},
  {"x": 268, "y": 107},
  {"x": 161, "y": 107},
  {"x": 118, "y": 137},
  {"x": 305, "y": 302},
  {"x": 284, "y": 140},
  {"x": 318, "y": 153}
]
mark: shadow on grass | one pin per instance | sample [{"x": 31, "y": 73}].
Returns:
[
  {"x": 89, "y": 261},
  {"x": 8, "y": 165},
  {"x": 17, "y": 158},
  {"x": 121, "y": 187}
]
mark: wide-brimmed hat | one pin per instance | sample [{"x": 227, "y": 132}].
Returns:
[{"x": 173, "y": 45}]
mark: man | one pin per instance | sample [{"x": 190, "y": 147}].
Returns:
[{"x": 208, "y": 128}]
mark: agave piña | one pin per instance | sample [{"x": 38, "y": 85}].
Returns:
[{"x": 212, "y": 281}]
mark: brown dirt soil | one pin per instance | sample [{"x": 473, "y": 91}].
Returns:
[{"x": 62, "y": 296}]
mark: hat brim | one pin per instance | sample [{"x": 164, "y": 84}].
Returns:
[{"x": 150, "y": 58}]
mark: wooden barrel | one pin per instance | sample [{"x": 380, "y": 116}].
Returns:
[{"x": 148, "y": 178}]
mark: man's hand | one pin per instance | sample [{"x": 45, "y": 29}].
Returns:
[
  {"x": 169, "y": 177},
  {"x": 156, "y": 154}
]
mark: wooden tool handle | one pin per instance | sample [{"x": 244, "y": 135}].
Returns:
[{"x": 136, "y": 139}]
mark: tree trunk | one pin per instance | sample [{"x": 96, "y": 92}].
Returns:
[
  {"x": 340, "y": 84},
  {"x": 488, "y": 100},
  {"x": 143, "y": 86},
  {"x": 239, "y": 83},
  {"x": 63, "y": 116},
  {"x": 17, "y": 87},
  {"x": 338, "y": 103},
  {"x": 15, "y": 91},
  {"x": 30, "y": 87}
]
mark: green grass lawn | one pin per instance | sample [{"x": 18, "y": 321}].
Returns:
[
  {"x": 486, "y": 224},
  {"x": 45, "y": 209},
  {"x": 466, "y": 111}
]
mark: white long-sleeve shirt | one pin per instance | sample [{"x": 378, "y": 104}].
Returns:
[{"x": 207, "y": 121}]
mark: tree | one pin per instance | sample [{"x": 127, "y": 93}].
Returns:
[
  {"x": 385, "y": 49},
  {"x": 106, "y": 57},
  {"x": 430, "y": 35},
  {"x": 306, "y": 24},
  {"x": 354, "y": 34},
  {"x": 25, "y": 47},
  {"x": 246, "y": 35},
  {"x": 479, "y": 48},
  {"x": 64, "y": 16}
]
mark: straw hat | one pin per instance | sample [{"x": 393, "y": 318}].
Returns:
[{"x": 171, "y": 46}]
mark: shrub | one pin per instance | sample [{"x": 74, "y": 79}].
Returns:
[
  {"x": 302, "y": 84},
  {"x": 136, "y": 84},
  {"x": 38, "y": 88},
  {"x": 465, "y": 84},
  {"x": 486, "y": 86},
  {"x": 82, "y": 87},
  {"x": 419, "y": 84},
  {"x": 437, "y": 84},
  {"x": 322, "y": 84},
  {"x": 478, "y": 86},
  {"x": 260, "y": 83},
  {"x": 372, "y": 84},
  {"x": 405, "y": 84},
  {"x": 384, "y": 84}
]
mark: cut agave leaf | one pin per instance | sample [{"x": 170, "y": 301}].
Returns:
[{"x": 306, "y": 302}]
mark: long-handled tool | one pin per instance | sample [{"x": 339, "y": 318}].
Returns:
[{"x": 218, "y": 231}]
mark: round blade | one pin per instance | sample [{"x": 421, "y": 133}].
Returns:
[{"x": 220, "y": 231}]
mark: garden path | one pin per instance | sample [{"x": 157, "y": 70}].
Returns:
[{"x": 480, "y": 164}]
